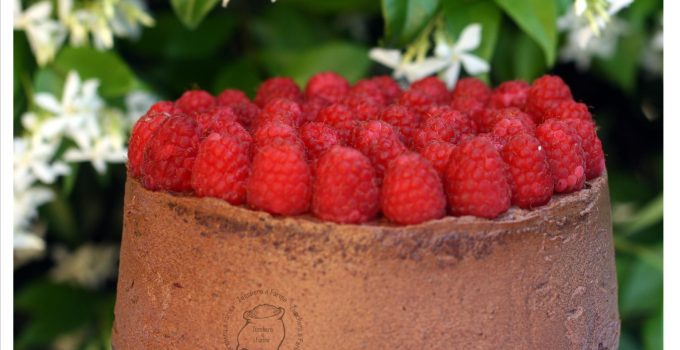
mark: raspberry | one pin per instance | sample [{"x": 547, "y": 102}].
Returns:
[
  {"x": 530, "y": 177},
  {"x": 237, "y": 132},
  {"x": 363, "y": 106},
  {"x": 592, "y": 146},
  {"x": 278, "y": 87},
  {"x": 544, "y": 94},
  {"x": 472, "y": 88},
  {"x": 389, "y": 88},
  {"x": 435, "y": 111},
  {"x": 434, "y": 129},
  {"x": 162, "y": 107},
  {"x": 565, "y": 155},
  {"x": 487, "y": 120},
  {"x": 273, "y": 131},
  {"x": 221, "y": 169},
  {"x": 328, "y": 85},
  {"x": 195, "y": 101},
  {"x": 280, "y": 180},
  {"x": 471, "y": 107},
  {"x": 318, "y": 138},
  {"x": 434, "y": 87},
  {"x": 477, "y": 180},
  {"x": 141, "y": 133},
  {"x": 403, "y": 119},
  {"x": 215, "y": 119},
  {"x": 379, "y": 142},
  {"x": 368, "y": 89},
  {"x": 345, "y": 188},
  {"x": 281, "y": 110},
  {"x": 231, "y": 97},
  {"x": 438, "y": 153},
  {"x": 460, "y": 122},
  {"x": 246, "y": 112},
  {"x": 340, "y": 118},
  {"x": 311, "y": 107},
  {"x": 417, "y": 100},
  {"x": 412, "y": 192},
  {"x": 510, "y": 94},
  {"x": 169, "y": 155},
  {"x": 496, "y": 141},
  {"x": 569, "y": 109},
  {"x": 508, "y": 127}
]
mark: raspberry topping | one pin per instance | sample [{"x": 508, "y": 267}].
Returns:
[
  {"x": 221, "y": 169},
  {"x": 195, "y": 101},
  {"x": 278, "y": 87},
  {"x": 327, "y": 85},
  {"x": 565, "y": 155},
  {"x": 530, "y": 177},
  {"x": 141, "y": 133},
  {"x": 379, "y": 142}
]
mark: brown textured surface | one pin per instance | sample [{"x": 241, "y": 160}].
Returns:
[{"x": 190, "y": 268}]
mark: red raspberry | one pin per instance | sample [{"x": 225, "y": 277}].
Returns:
[
  {"x": 435, "y": 111},
  {"x": 569, "y": 109},
  {"x": 389, "y": 88},
  {"x": 215, "y": 119},
  {"x": 417, "y": 100},
  {"x": 273, "y": 131},
  {"x": 510, "y": 94},
  {"x": 460, "y": 122},
  {"x": 368, "y": 89},
  {"x": 496, "y": 141},
  {"x": 237, "y": 132},
  {"x": 434, "y": 129},
  {"x": 169, "y": 155},
  {"x": 246, "y": 112},
  {"x": 403, "y": 119},
  {"x": 364, "y": 107},
  {"x": 530, "y": 177},
  {"x": 280, "y": 180},
  {"x": 544, "y": 94},
  {"x": 379, "y": 142},
  {"x": 231, "y": 97},
  {"x": 434, "y": 87},
  {"x": 471, "y": 107},
  {"x": 195, "y": 101},
  {"x": 162, "y": 107},
  {"x": 311, "y": 108},
  {"x": 438, "y": 153},
  {"x": 565, "y": 155},
  {"x": 345, "y": 188},
  {"x": 412, "y": 192},
  {"x": 487, "y": 120},
  {"x": 221, "y": 169},
  {"x": 508, "y": 127},
  {"x": 281, "y": 110},
  {"x": 277, "y": 87},
  {"x": 328, "y": 85},
  {"x": 592, "y": 146},
  {"x": 340, "y": 118},
  {"x": 141, "y": 133},
  {"x": 477, "y": 180},
  {"x": 318, "y": 138},
  {"x": 472, "y": 88}
]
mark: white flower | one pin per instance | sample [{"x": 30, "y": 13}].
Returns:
[
  {"x": 107, "y": 148},
  {"x": 27, "y": 242},
  {"x": 33, "y": 161},
  {"x": 588, "y": 19},
  {"x": 652, "y": 56},
  {"x": 89, "y": 266},
  {"x": 412, "y": 71},
  {"x": 602, "y": 46},
  {"x": 458, "y": 54},
  {"x": 137, "y": 103},
  {"x": 45, "y": 35}
]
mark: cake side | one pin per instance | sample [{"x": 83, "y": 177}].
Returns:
[{"x": 528, "y": 279}]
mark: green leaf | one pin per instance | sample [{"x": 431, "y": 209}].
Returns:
[
  {"x": 458, "y": 15},
  {"x": 335, "y": 6},
  {"x": 538, "y": 19},
  {"x": 287, "y": 28},
  {"x": 169, "y": 39},
  {"x": 642, "y": 291},
  {"x": 115, "y": 76},
  {"x": 192, "y": 12},
  {"x": 348, "y": 60},
  {"x": 528, "y": 59},
  {"x": 241, "y": 74},
  {"x": 652, "y": 332},
  {"x": 404, "y": 19},
  {"x": 650, "y": 215}
]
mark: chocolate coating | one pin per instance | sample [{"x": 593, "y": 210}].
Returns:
[{"x": 191, "y": 269}]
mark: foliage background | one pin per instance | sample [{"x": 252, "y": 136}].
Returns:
[{"x": 247, "y": 42}]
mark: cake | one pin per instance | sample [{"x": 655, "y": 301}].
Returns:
[{"x": 198, "y": 272}]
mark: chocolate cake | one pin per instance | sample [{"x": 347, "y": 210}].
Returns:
[{"x": 193, "y": 271}]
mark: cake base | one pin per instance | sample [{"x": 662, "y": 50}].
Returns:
[{"x": 202, "y": 274}]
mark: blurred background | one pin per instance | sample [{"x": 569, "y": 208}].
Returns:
[{"x": 85, "y": 70}]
